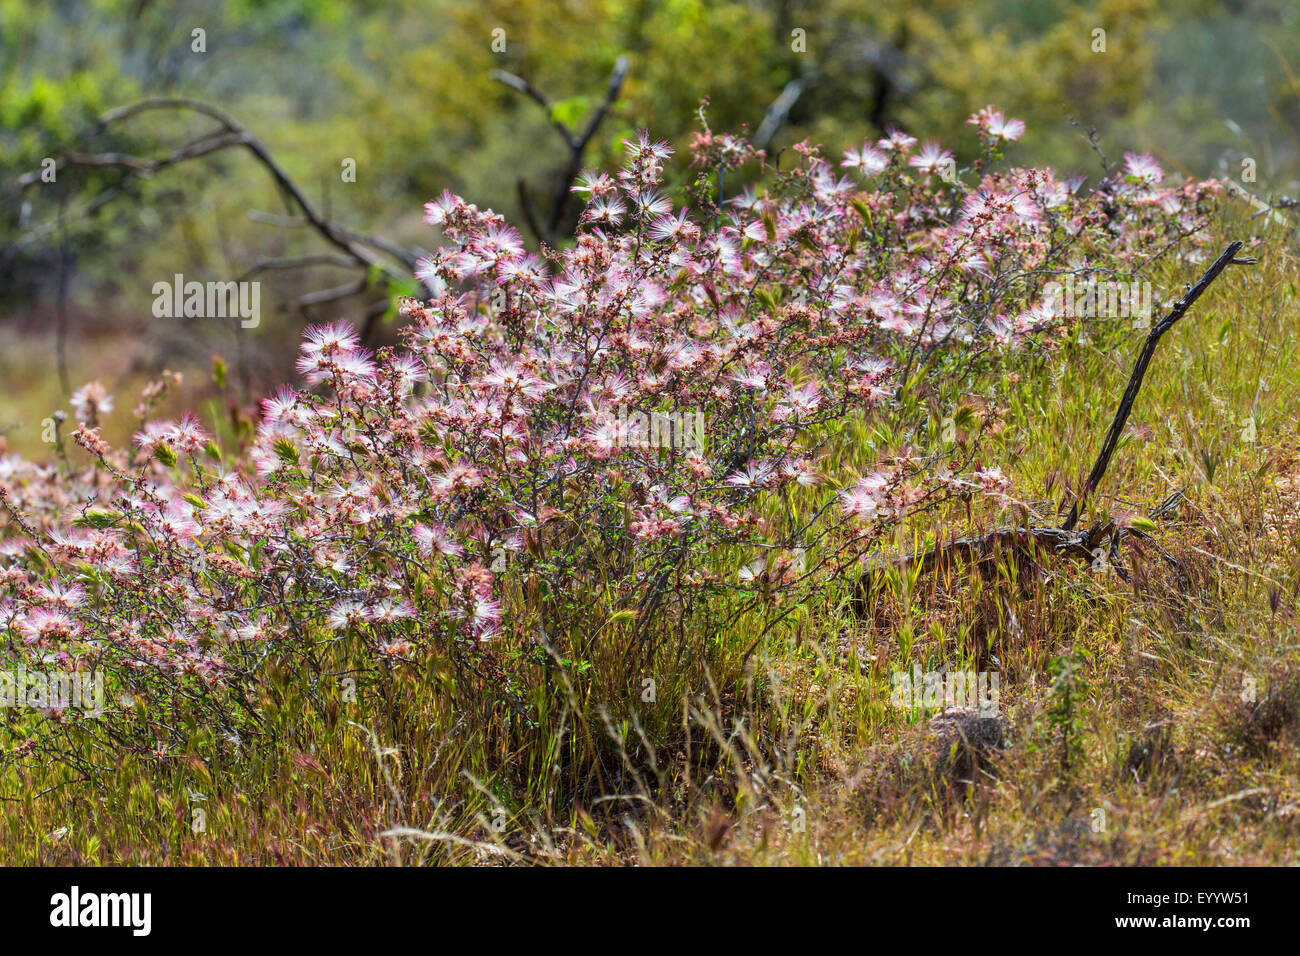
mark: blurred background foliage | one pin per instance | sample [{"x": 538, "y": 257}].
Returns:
[{"x": 406, "y": 89}]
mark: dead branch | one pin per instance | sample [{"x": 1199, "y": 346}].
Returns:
[
  {"x": 137, "y": 168},
  {"x": 521, "y": 85},
  {"x": 1139, "y": 372},
  {"x": 1261, "y": 208},
  {"x": 409, "y": 257},
  {"x": 526, "y": 205},
  {"x": 779, "y": 111},
  {"x": 358, "y": 250},
  {"x": 295, "y": 262},
  {"x": 1027, "y": 545},
  {"x": 575, "y": 140},
  {"x": 323, "y": 296}
]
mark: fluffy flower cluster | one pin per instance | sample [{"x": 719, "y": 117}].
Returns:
[{"x": 479, "y": 481}]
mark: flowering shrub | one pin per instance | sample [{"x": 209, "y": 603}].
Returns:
[{"x": 500, "y": 479}]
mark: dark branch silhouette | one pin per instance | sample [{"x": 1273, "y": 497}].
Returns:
[
  {"x": 356, "y": 249},
  {"x": 1226, "y": 258},
  {"x": 575, "y": 140},
  {"x": 1028, "y": 544}
]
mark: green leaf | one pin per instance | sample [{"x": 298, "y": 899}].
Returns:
[
  {"x": 98, "y": 518},
  {"x": 568, "y": 112},
  {"x": 861, "y": 209},
  {"x": 287, "y": 451}
]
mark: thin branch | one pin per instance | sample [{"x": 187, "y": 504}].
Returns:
[
  {"x": 355, "y": 246},
  {"x": 519, "y": 84},
  {"x": 616, "y": 79},
  {"x": 373, "y": 314},
  {"x": 137, "y": 168},
  {"x": 1064, "y": 541},
  {"x": 530, "y": 218},
  {"x": 779, "y": 111},
  {"x": 409, "y": 257},
  {"x": 580, "y": 144},
  {"x": 323, "y": 296},
  {"x": 296, "y": 262},
  {"x": 575, "y": 141},
  {"x": 1226, "y": 258},
  {"x": 1261, "y": 208}
]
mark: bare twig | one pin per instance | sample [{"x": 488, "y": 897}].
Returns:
[
  {"x": 1261, "y": 208},
  {"x": 295, "y": 262},
  {"x": 779, "y": 111},
  {"x": 137, "y": 168},
  {"x": 575, "y": 140},
  {"x": 410, "y": 257},
  {"x": 323, "y": 296},
  {"x": 1065, "y": 541},
  {"x": 357, "y": 249},
  {"x": 530, "y": 218},
  {"x": 1226, "y": 258},
  {"x": 521, "y": 85}
]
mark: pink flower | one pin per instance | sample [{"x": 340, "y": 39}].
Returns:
[
  {"x": 152, "y": 435},
  {"x": 865, "y": 161},
  {"x": 896, "y": 141},
  {"x": 753, "y": 475},
  {"x": 643, "y": 147},
  {"x": 347, "y": 614},
  {"x": 991, "y": 480},
  {"x": 1143, "y": 168},
  {"x": 994, "y": 123},
  {"x": 605, "y": 212},
  {"x": 387, "y": 610},
  {"x": 931, "y": 159},
  {"x": 43, "y": 624},
  {"x": 68, "y": 596},
  {"x": 649, "y": 204},
  {"x": 677, "y": 227},
  {"x": 329, "y": 339},
  {"x": 279, "y": 404},
  {"x": 866, "y": 499},
  {"x": 90, "y": 402},
  {"x": 510, "y": 378},
  {"x": 431, "y": 538}
]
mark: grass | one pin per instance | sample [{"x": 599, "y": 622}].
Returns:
[{"x": 1148, "y": 722}]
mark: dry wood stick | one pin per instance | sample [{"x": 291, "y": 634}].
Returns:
[
  {"x": 1065, "y": 541},
  {"x": 1139, "y": 371}
]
